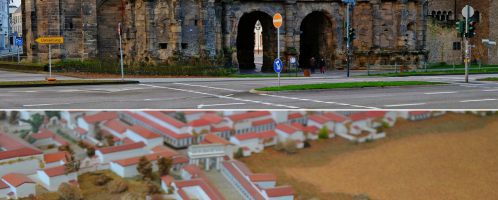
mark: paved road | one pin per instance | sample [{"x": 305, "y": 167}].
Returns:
[{"x": 222, "y": 93}]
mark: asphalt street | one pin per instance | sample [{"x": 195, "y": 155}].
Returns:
[{"x": 233, "y": 93}]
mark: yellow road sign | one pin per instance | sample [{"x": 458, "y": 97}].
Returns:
[{"x": 50, "y": 40}]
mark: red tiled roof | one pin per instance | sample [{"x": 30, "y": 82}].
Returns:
[
  {"x": 157, "y": 126},
  {"x": 418, "y": 112},
  {"x": 212, "y": 138},
  {"x": 286, "y": 128},
  {"x": 124, "y": 147},
  {"x": 55, "y": 171},
  {"x": 360, "y": 116},
  {"x": 335, "y": 117},
  {"x": 99, "y": 117},
  {"x": 116, "y": 125},
  {"x": 151, "y": 157},
  {"x": 229, "y": 165},
  {"x": 294, "y": 115},
  {"x": 311, "y": 129},
  {"x": 167, "y": 179},
  {"x": 318, "y": 118},
  {"x": 43, "y": 134},
  {"x": 144, "y": 132},
  {"x": 263, "y": 122},
  {"x": 165, "y": 118},
  {"x": 247, "y": 136},
  {"x": 377, "y": 114},
  {"x": 16, "y": 179},
  {"x": 267, "y": 134},
  {"x": 213, "y": 118},
  {"x": 220, "y": 129},
  {"x": 208, "y": 188},
  {"x": 248, "y": 115},
  {"x": 80, "y": 130},
  {"x": 280, "y": 191},
  {"x": 262, "y": 177},
  {"x": 3, "y": 185},
  {"x": 199, "y": 122},
  {"x": 55, "y": 157},
  {"x": 178, "y": 159},
  {"x": 22, "y": 152},
  {"x": 193, "y": 170}
]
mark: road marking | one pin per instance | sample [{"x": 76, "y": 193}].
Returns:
[
  {"x": 34, "y": 105},
  {"x": 318, "y": 101},
  {"x": 477, "y": 100},
  {"x": 221, "y": 96},
  {"x": 492, "y": 90},
  {"x": 221, "y": 104},
  {"x": 408, "y": 104},
  {"x": 449, "y": 92},
  {"x": 204, "y": 86},
  {"x": 27, "y": 91}
]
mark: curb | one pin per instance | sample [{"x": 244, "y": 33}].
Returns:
[
  {"x": 69, "y": 84},
  {"x": 254, "y": 91}
]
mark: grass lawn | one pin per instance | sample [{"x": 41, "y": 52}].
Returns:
[
  {"x": 311, "y": 171},
  {"x": 346, "y": 85},
  {"x": 428, "y": 73},
  {"x": 488, "y": 79},
  {"x": 60, "y": 82}
]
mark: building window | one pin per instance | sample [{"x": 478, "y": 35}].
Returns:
[
  {"x": 163, "y": 45},
  {"x": 457, "y": 46},
  {"x": 184, "y": 45},
  {"x": 195, "y": 22}
]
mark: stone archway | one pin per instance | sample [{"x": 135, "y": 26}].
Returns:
[
  {"x": 245, "y": 41},
  {"x": 317, "y": 39},
  {"x": 109, "y": 14}
]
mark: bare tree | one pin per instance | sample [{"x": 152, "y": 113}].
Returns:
[
  {"x": 69, "y": 192},
  {"x": 164, "y": 165}
]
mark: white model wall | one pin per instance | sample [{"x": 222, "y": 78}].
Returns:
[{"x": 29, "y": 166}]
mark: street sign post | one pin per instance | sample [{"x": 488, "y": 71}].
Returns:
[
  {"x": 349, "y": 5},
  {"x": 278, "y": 66},
  {"x": 19, "y": 43},
  {"x": 50, "y": 40},
  {"x": 467, "y": 12}
]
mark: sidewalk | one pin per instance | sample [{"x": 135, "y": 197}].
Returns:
[{"x": 20, "y": 76}]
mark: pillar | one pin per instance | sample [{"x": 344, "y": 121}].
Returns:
[
  {"x": 289, "y": 24},
  {"x": 207, "y": 163}
]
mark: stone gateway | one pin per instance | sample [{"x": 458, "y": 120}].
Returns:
[{"x": 158, "y": 31}]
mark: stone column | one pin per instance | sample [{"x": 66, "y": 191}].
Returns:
[
  {"x": 289, "y": 24},
  {"x": 403, "y": 22},
  {"x": 150, "y": 28},
  {"x": 377, "y": 23},
  {"x": 218, "y": 163},
  {"x": 89, "y": 28},
  {"x": 209, "y": 30},
  {"x": 207, "y": 163}
]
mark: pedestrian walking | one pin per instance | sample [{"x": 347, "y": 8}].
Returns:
[
  {"x": 312, "y": 64},
  {"x": 322, "y": 66}
]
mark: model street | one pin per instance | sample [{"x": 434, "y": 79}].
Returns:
[{"x": 233, "y": 93}]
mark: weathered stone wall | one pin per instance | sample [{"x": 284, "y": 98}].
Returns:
[
  {"x": 157, "y": 31},
  {"x": 440, "y": 42}
]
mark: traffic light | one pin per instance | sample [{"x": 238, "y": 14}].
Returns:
[
  {"x": 472, "y": 28},
  {"x": 460, "y": 28},
  {"x": 352, "y": 33}
]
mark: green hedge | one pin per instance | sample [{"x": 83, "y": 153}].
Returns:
[{"x": 106, "y": 67}]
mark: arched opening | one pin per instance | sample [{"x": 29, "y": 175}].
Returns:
[
  {"x": 316, "y": 40},
  {"x": 246, "y": 41},
  {"x": 109, "y": 14}
]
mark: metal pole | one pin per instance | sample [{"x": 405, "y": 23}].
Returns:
[
  {"x": 348, "y": 39},
  {"x": 121, "y": 53},
  {"x": 278, "y": 52},
  {"x": 18, "y": 58},
  {"x": 50, "y": 61},
  {"x": 467, "y": 58}
]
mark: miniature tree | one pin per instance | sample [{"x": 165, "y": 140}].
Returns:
[
  {"x": 324, "y": 133},
  {"x": 239, "y": 153},
  {"x": 101, "y": 180},
  {"x": 144, "y": 167},
  {"x": 290, "y": 146},
  {"x": 90, "y": 151},
  {"x": 51, "y": 114},
  {"x": 69, "y": 192},
  {"x": 152, "y": 188},
  {"x": 117, "y": 186},
  {"x": 35, "y": 122},
  {"x": 279, "y": 146},
  {"x": 109, "y": 140},
  {"x": 98, "y": 132},
  {"x": 164, "y": 165},
  {"x": 14, "y": 117}
]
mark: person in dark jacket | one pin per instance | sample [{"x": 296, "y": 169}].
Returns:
[{"x": 312, "y": 64}]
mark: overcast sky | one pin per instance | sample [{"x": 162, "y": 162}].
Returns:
[{"x": 17, "y": 2}]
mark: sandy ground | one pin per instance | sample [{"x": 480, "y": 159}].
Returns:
[{"x": 449, "y": 165}]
